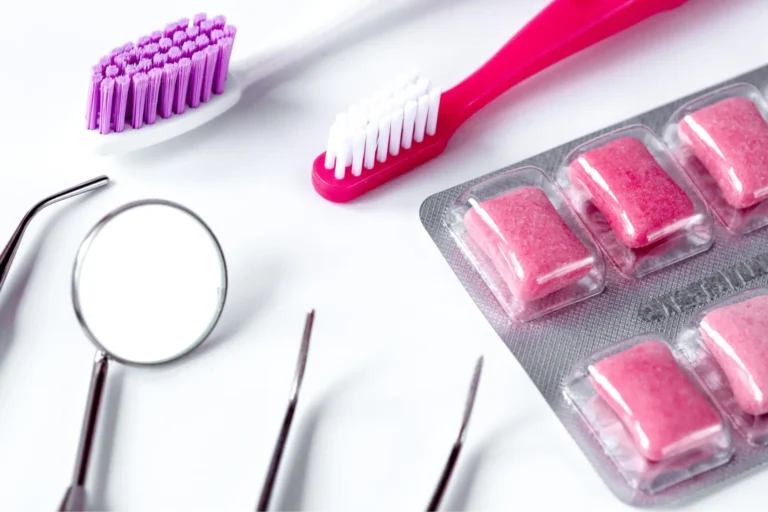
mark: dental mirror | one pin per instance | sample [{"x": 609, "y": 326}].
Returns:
[
  {"x": 149, "y": 282},
  {"x": 148, "y": 286}
]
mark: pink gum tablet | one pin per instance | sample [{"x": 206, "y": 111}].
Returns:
[
  {"x": 533, "y": 249},
  {"x": 664, "y": 412},
  {"x": 634, "y": 193},
  {"x": 731, "y": 139},
  {"x": 737, "y": 335}
]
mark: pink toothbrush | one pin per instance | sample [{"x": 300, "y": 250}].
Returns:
[{"x": 398, "y": 129}]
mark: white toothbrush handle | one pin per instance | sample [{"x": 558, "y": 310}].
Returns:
[{"x": 255, "y": 67}]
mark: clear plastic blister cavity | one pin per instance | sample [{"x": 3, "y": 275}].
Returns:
[
  {"x": 527, "y": 243},
  {"x": 727, "y": 344},
  {"x": 721, "y": 139},
  {"x": 665, "y": 417},
  {"x": 648, "y": 414},
  {"x": 636, "y": 200}
]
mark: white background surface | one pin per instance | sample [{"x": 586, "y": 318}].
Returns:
[{"x": 395, "y": 336}]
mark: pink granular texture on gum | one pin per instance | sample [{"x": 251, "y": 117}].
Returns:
[
  {"x": 532, "y": 248},
  {"x": 737, "y": 335},
  {"x": 658, "y": 404},
  {"x": 634, "y": 193},
  {"x": 730, "y": 138}
]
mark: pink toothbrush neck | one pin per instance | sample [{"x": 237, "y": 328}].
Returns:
[{"x": 563, "y": 28}]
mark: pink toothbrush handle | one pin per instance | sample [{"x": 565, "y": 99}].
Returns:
[{"x": 563, "y": 28}]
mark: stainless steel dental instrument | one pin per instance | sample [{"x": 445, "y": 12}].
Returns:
[
  {"x": 454, "y": 456},
  {"x": 8, "y": 254},
  {"x": 282, "y": 438},
  {"x": 148, "y": 286}
]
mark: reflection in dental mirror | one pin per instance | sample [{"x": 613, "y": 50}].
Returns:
[
  {"x": 149, "y": 283},
  {"x": 149, "y": 286}
]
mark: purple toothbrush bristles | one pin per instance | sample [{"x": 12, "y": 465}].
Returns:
[
  {"x": 168, "y": 89},
  {"x": 179, "y": 37},
  {"x": 144, "y": 65},
  {"x": 182, "y": 82},
  {"x": 211, "y": 58},
  {"x": 202, "y": 41},
  {"x": 188, "y": 48},
  {"x": 165, "y": 44},
  {"x": 140, "y": 83},
  {"x": 174, "y": 54},
  {"x": 216, "y": 35},
  {"x": 150, "y": 50},
  {"x": 121, "y": 61},
  {"x": 107, "y": 90},
  {"x": 192, "y": 32},
  {"x": 153, "y": 94},
  {"x": 159, "y": 60},
  {"x": 169, "y": 29},
  {"x": 206, "y": 26},
  {"x": 196, "y": 79},
  {"x": 122, "y": 85},
  {"x": 161, "y": 74},
  {"x": 225, "y": 52},
  {"x": 94, "y": 97}
]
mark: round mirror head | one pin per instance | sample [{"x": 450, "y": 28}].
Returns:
[{"x": 149, "y": 282}]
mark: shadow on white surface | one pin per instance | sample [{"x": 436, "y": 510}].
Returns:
[
  {"x": 470, "y": 464},
  {"x": 105, "y": 440},
  {"x": 295, "y": 471},
  {"x": 21, "y": 271},
  {"x": 13, "y": 293},
  {"x": 247, "y": 296}
]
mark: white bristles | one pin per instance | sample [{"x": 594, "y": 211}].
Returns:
[
  {"x": 397, "y": 116},
  {"x": 412, "y": 92},
  {"x": 434, "y": 108},
  {"x": 421, "y": 119},
  {"x": 408, "y": 122},
  {"x": 358, "y": 151},
  {"x": 395, "y": 132},
  {"x": 371, "y": 134},
  {"x": 423, "y": 86},
  {"x": 382, "y": 148},
  {"x": 344, "y": 153},
  {"x": 330, "y": 149}
]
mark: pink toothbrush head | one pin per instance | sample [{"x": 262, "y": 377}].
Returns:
[
  {"x": 398, "y": 129},
  {"x": 160, "y": 75}
]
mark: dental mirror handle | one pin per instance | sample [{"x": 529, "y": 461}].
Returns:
[
  {"x": 75, "y": 497},
  {"x": 6, "y": 257}
]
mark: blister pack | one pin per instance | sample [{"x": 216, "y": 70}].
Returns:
[{"x": 627, "y": 271}]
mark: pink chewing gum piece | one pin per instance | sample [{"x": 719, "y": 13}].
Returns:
[
  {"x": 737, "y": 336},
  {"x": 533, "y": 249},
  {"x": 731, "y": 139},
  {"x": 630, "y": 188},
  {"x": 664, "y": 412}
]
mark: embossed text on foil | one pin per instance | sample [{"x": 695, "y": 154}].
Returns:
[{"x": 705, "y": 290}]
